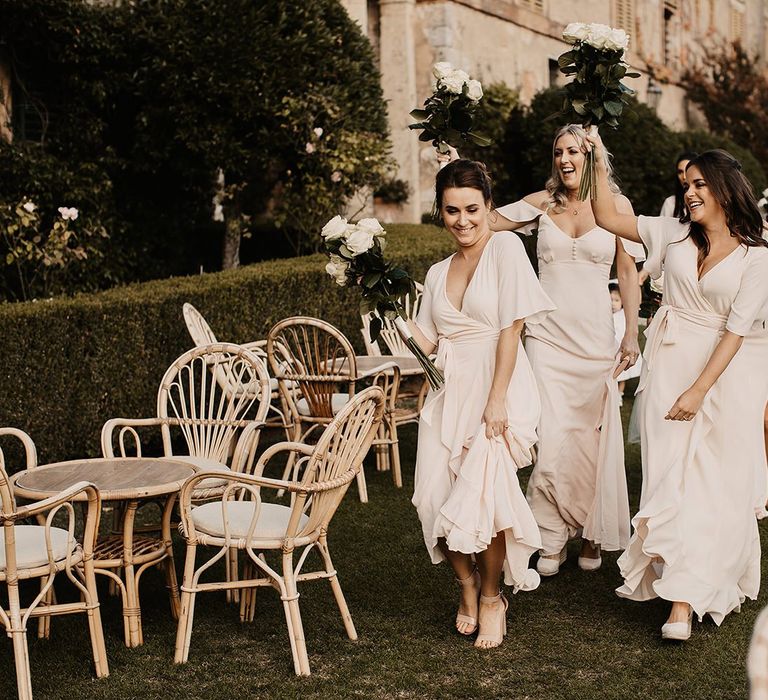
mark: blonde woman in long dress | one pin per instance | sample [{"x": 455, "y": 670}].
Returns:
[
  {"x": 704, "y": 388},
  {"x": 578, "y": 485},
  {"x": 478, "y": 429}
]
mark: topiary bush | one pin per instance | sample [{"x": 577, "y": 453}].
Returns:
[{"x": 69, "y": 364}]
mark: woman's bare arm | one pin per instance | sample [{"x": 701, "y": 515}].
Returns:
[
  {"x": 629, "y": 286},
  {"x": 495, "y": 413}
]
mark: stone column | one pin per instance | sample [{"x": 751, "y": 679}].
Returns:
[{"x": 398, "y": 81}]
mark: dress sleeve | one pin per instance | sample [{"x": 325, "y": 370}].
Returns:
[
  {"x": 520, "y": 293},
  {"x": 752, "y": 296},
  {"x": 424, "y": 319},
  {"x": 634, "y": 249},
  {"x": 524, "y": 213},
  {"x": 657, "y": 233}
]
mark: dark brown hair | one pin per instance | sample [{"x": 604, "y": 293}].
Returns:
[
  {"x": 729, "y": 186},
  {"x": 463, "y": 173}
]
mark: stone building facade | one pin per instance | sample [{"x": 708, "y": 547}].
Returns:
[{"x": 518, "y": 41}]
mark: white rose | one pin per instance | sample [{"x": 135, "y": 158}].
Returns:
[
  {"x": 29, "y": 207},
  {"x": 442, "y": 69},
  {"x": 474, "y": 90},
  {"x": 318, "y": 131},
  {"x": 455, "y": 81},
  {"x": 336, "y": 176},
  {"x": 334, "y": 229},
  {"x": 310, "y": 148},
  {"x": 218, "y": 212},
  {"x": 373, "y": 226},
  {"x": 359, "y": 240},
  {"x": 337, "y": 268},
  {"x": 599, "y": 36},
  {"x": 576, "y": 31},
  {"x": 765, "y": 192},
  {"x": 618, "y": 40},
  {"x": 68, "y": 213}
]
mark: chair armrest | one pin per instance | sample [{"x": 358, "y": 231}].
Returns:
[
  {"x": 277, "y": 448},
  {"x": 30, "y": 451},
  {"x": 113, "y": 423},
  {"x": 32, "y": 509},
  {"x": 383, "y": 367}
]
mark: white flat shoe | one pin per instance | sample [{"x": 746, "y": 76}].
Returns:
[
  {"x": 678, "y": 631},
  {"x": 549, "y": 565},
  {"x": 590, "y": 564}
]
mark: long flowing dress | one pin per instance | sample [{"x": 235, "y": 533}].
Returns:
[
  {"x": 578, "y": 485},
  {"x": 466, "y": 488},
  {"x": 695, "y": 536}
]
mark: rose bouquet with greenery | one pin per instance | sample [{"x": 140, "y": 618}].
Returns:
[
  {"x": 596, "y": 95},
  {"x": 356, "y": 253},
  {"x": 448, "y": 117}
]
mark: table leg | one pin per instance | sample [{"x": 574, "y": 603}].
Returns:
[
  {"x": 132, "y": 609},
  {"x": 170, "y": 566}
]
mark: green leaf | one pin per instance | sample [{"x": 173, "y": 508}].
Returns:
[
  {"x": 613, "y": 108},
  {"x": 478, "y": 139},
  {"x": 371, "y": 279},
  {"x": 374, "y": 328},
  {"x": 566, "y": 58},
  {"x": 420, "y": 114}
]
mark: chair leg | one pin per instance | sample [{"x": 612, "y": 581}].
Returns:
[
  {"x": 394, "y": 451},
  {"x": 170, "y": 566},
  {"x": 94, "y": 622},
  {"x": 293, "y": 618},
  {"x": 19, "y": 636},
  {"x": 44, "y": 621},
  {"x": 233, "y": 595},
  {"x": 362, "y": 486},
  {"x": 187, "y": 610},
  {"x": 338, "y": 594}
]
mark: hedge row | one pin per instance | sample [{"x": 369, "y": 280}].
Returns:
[{"x": 69, "y": 364}]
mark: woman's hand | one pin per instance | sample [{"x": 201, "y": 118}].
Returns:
[
  {"x": 629, "y": 349},
  {"x": 687, "y": 405},
  {"x": 495, "y": 418},
  {"x": 444, "y": 158},
  {"x": 594, "y": 142}
]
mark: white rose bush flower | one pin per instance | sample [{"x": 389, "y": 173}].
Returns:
[
  {"x": 596, "y": 95},
  {"x": 448, "y": 116},
  {"x": 762, "y": 204},
  {"x": 356, "y": 259}
]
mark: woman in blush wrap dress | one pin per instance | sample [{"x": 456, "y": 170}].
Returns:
[
  {"x": 578, "y": 485},
  {"x": 478, "y": 429},
  {"x": 702, "y": 394}
]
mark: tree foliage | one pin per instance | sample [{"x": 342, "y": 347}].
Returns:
[{"x": 732, "y": 92}]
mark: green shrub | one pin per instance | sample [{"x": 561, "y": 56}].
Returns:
[{"x": 70, "y": 364}]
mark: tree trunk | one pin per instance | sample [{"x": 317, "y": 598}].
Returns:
[{"x": 233, "y": 231}]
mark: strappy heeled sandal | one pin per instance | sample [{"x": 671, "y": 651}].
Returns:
[
  {"x": 472, "y": 580},
  {"x": 501, "y": 630}
]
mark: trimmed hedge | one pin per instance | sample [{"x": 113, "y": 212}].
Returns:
[{"x": 69, "y": 364}]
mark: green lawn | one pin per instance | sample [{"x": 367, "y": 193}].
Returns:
[{"x": 571, "y": 638}]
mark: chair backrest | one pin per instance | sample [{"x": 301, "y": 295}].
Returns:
[
  {"x": 390, "y": 337},
  {"x": 316, "y": 357},
  {"x": 213, "y": 392},
  {"x": 339, "y": 454},
  {"x": 7, "y": 501},
  {"x": 197, "y": 326}
]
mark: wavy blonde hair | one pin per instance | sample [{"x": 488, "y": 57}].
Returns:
[{"x": 554, "y": 185}]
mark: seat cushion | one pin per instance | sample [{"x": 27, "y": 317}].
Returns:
[
  {"x": 273, "y": 519},
  {"x": 204, "y": 464},
  {"x": 338, "y": 401},
  {"x": 30, "y": 546}
]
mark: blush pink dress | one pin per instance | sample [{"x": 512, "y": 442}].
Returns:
[
  {"x": 578, "y": 486},
  {"x": 466, "y": 488},
  {"x": 695, "y": 536}
]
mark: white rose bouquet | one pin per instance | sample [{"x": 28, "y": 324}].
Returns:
[
  {"x": 762, "y": 203},
  {"x": 448, "y": 117},
  {"x": 596, "y": 94},
  {"x": 356, "y": 253}
]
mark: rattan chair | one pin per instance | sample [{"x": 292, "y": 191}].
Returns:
[
  {"x": 279, "y": 415},
  {"x": 317, "y": 372},
  {"x": 42, "y": 552},
  {"x": 205, "y": 400},
  {"x": 242, "y": 519}
]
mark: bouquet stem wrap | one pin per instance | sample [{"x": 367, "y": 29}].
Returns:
[{"x": 434, "y": 375}]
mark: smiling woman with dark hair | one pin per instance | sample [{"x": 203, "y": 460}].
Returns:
[
  {"x": 478, "y": 430},
  {"x": 701, "y": 396}
]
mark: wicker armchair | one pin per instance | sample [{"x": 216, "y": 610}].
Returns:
[
  {"x": 279, "y": 415},
  {"x": 42, "y": 552},
  {"x": 205, "y": 400},
  {"x": 241, "y": 519},
  {"x": 316, "y": 368}
]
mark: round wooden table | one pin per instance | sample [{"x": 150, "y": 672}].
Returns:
[{"x": 127, "y": 481}]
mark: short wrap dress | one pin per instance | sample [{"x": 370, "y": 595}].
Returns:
[
  {"x": 466, "y": 488},
  {"x": 695, "y": 536},
  {"x": 578, "y": 486}
]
